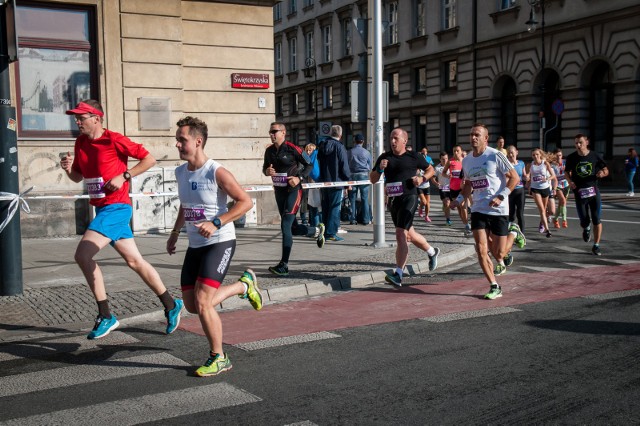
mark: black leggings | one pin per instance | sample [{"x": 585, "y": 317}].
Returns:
[
  {"x": 516, "y": 206},
  {"x": 288, "y": 201}
]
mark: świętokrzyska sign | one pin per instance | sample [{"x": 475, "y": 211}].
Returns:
[{"x": 249, "y": 81}]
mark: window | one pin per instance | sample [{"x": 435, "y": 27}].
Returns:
[
  {"x": 311, "y": 100},
  {"x": 57, "y": 67},
  {"x": 448, "y": 14},
  {"x": 307, "y": 3},
  {"x": 308, "y": 45},
  {"x": 277, "y": 12},
  {"x": 279, "y": 109},
  {"x": 327, "y": 97},
  {"x": 420, "y": 138},
  {"x": 421, "y": 80},
  {"x": 450, "y": 131},
  {"x": 506, "y": 4},
  {"x": 394, "y": 83},
  {"x": 346, "y": 94},
  {"x": 277, "y": 58},
  {"x": 293, "y": 103},
  {"x": 293, "y": 63},
  {"x": 346, "y": 37},
  {"x": 419, "y": 10},
  {"x": 392, "y": 18},
  {"x": 293, "y": 6},
  {"x": 326, "y": 43},
  {"x": 451, "y": 75}
]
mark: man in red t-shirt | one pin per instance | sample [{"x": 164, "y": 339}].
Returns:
[{"x": 100, "y": 158}]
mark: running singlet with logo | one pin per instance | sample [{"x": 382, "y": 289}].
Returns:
[
  {"x": 443, "y": 181},
  {"x": 486, "y": 173},
  {"x": 202, "y": 200},
  {"x": 558, "y": 169},
  {"x": 539, "y": 176},
  {"x": 583, "y": 169},
  {"x": 400, "y": 171},
  {"x": 455, "y": 170}
]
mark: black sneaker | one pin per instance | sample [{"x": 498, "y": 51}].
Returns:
[
  {"x": 394, "y": 279},
  {"x": 508, "y": 260},
  {"x": 280, "y": 269},
  {"x": 596, "y": 250},
  {"x": 586, "y": 234},
  {"x": 433, "y": 260}
]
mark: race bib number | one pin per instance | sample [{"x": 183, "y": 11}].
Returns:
[
  {"x": 562, "y": 183},
  {"x": 95, "y": 187},
  {"x": 444, "y": 187},
  {"x": 587, "y": 192},
  {"x": 394, "y": 189},
  {"x": 194, "y": 214},
  {"x": 539, "y": 178},
  {"x": 455, "y": 174},
  {"x": 279, "y": 179},
  {"x": 480, "y": 183}
]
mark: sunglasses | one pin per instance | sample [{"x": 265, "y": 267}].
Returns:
[{"x": 273, "y": 132}]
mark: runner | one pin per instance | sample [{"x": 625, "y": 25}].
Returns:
[
  {"x": 442, "y": 183},
  {"x": 540, "y": 186},
  {"x": 562, "y": 190},
  {"x": 492, "y": 178},
  {"x": 399, "y": 167},
  {"x": 424, "y": 190},
  {"x": 287, "y": 166},
  {"x": 517, "y": 197},
  {"x": 100, "y": 158},
  {"x": 584, "y": 168},
  {"x": 453, "y": 169},
  {"x": 203, "y": 188}
]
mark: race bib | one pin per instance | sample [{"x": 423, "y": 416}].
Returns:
[
  {"x": 539, "y": 178},
  {"x": 480, "y": 183},
  {"x": 95, "y": 187},
  {"x": 394, "y": 189},
  {"x": 455, "y": 174},
  {"x": 194, "y": 214},
  {"x": 587, "y": 192},
  {"x": 444, "y": 187},
  {"x": 562, "y": 183},
  {"x": 279, "y": 179}
]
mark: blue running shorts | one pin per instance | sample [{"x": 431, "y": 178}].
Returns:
[{"x": 112, "y": 221}]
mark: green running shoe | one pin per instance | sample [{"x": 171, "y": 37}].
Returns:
[
  {"x": 499, "y": 269},
  {"x": 520, "y": 239},
  {"x": 320, "y": 237},
  {"x": 214, "y": 365},
  {"x": 508, "y": 259},
  {"x": 494, "y": 292},
  {"x": 253, "y": 291}
]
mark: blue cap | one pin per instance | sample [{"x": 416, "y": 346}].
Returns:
[{"x": 358, "y": 137}]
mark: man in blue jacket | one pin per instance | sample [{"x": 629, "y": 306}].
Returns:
[
  {"x": 334, "y": 167},
  {"x": 360, "y": 164}
]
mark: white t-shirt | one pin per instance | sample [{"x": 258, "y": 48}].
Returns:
[
  {"x": 539, "y": 176},
  {"x": 486, "y": 174},
  {"x": 443, "y": 181},
  {"x": 202, "y": 200}
]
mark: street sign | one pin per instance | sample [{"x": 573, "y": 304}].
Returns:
[
  {"x": 325, "y": 128},
  {"x": 359, "y": 91},
  {"x": 557, "y": 106}
]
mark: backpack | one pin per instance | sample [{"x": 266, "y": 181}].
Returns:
[{"x": 315, "y": 171}]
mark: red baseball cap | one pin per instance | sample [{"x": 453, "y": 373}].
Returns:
[{"x": 83, "y": 108}]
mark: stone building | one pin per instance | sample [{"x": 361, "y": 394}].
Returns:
[
  {"x": 450, "y": 63},
  {"x": 149, "y": 63}
]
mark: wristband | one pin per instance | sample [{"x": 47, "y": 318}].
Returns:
[
  {"x": 505, "y": 192},
  {"x": 381, "y": 171},
  {"x": 174, "y": 232}
]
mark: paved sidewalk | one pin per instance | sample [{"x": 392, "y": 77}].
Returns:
[{"x": 56, "y": 297}]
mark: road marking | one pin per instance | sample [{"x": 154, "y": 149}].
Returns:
[
  {"x": 585, "y": 265},
  {"x": 623, "y": 261},
  {"x": 543, "y": 268},
  {"x": 614, "y": 295},
  {"x": 148, "y": 408},
  {"x": 289, "y": 340},
  {"x": 63, "y": 345},
  {"x": 571, "y": 249},
  {"x": 302, "y": 423},
  {"x": 88, "y": 373},
  {"x": 470, "y": 314}
]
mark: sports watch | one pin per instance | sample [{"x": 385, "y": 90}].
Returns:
[
  {"x": 126, "y": 175},
  {"x": 216, "y": 222}
]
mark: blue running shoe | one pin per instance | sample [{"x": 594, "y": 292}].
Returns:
[
  {"x": 433, "y": 260},
  {"x": 103, "y": 327},
  {"x": 173, "y": 316},
  {"x": 334, "y": 238}
]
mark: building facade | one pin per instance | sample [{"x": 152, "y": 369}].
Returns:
[
  {"x": 149, "y": 63},
  {"x": 450, "y": 63}
]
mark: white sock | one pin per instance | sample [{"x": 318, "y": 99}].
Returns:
[
  {"x": 431, "y": 251},
  {"x": 399, "y": 271},
  {"x": 246, "y": 287}
]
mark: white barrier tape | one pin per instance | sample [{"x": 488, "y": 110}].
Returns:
[
  {"x": 248, "y": 188},
  {"x": 16, "y": 200}
]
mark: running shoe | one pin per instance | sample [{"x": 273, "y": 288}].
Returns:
[
  {"x": 320, "y": 237},
  {"x": 556, "y": 224},
  {"x": 253, "y": 291},
  {"x": 499, "y": 269},
  {"x": 494, "y": 292},
  {"x": 280, "y": 269},
  {"x": 421, "y": 213},
  {"x": 508, "y": 260},
  {"x": 448, "y": 222},
  {"x": 427, "y": 219},
  {"x": 541, "y": 228},
  {"x": 596, "y": 250},
  {"x": 214, "y": 366},
  {"x": 565, "y": 224},
  {"x": 433, "y": 260},
  {"x": 520, "y": 239},
  {"x": 342, "y": 231},
  {"x": 586, "y": 234},
  {"x": 103, "y": 326},
  {"x": 548, "y": 234},
  {"x": 334, "y": 238},
  {"x": 173, "y": 316},
  {"x": 467, "y": 230},
  {"x": 393, "y": 279}
]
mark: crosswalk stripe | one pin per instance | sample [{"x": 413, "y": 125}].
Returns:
[
  {"x": 585, "y": 265},
  {"x": 470, "y": 314},
  {"x": 64, "y": 345},
  {"x": 614, "y": 295},
  {"x": 572, "y": 249},
  {"x": 289, "y": 340},
  {"x": 146, "y": 408},
  {"x": 87, "y": 373},
  {"x": 543, "y": 268},
  {"x": 623, "y": 261}
]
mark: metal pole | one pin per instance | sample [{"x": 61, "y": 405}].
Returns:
[
  {"x": 10, "y": 238},
  {"x": 315, "y": 77},
  {"x": 543, "y": 85},
  {"x": 378, "y": 188}
]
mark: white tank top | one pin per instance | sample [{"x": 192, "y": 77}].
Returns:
[{"x": 539, "y": 176}]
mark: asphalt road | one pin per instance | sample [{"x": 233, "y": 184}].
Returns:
[{"x": 555, "y": 359}]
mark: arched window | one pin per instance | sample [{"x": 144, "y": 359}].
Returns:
[
  {"x": 509, "y": 113},
  {"x": 601, "y": 111},
  {"x": 553, "y": 122}
]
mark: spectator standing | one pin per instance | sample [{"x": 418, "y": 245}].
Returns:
[
  {"x": 424, "y": 190},
  {"x": 500, "y": 145},
  {"x": 630, "y": 167},
  {"x": 360, "y": 164}
]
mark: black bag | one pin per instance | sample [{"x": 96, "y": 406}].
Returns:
[{"x": 345, "y": 210}]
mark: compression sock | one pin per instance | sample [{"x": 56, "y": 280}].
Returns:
[
  {"x": 167, "y": 301},
  {"x": 103, "y": 308}
]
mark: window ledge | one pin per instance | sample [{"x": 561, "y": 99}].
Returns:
[
  {"x": 348, "y": 60},
  {"x": 513, "y": 11},
  {"x": 325, "y": 1},
  {"x": 452, "y": 32},
  {"x": 419, "y": 41},
  {"x": 307, "y": 8},
  {"x": 391, "y": 49},
  {"x": 293, "y": 75},
  {"x": 292, "y": 15},
  {"x": 326, "y": 66}
]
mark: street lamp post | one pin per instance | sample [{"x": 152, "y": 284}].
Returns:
[
  {"x": 532, "y": 25},
  {"x": 310, "y": 67}
]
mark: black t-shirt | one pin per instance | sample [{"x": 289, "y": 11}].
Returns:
[
  {"x": 582, "y": 169},
  {"x": 288, "y": 158},
  {"x": 402, "y": 168}
]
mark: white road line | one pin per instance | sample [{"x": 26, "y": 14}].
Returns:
[
  {"x": 614, "y": 295},
  {"x": 543, "y": 268},
  {"x": 470, "y": 314},
  {"x": 623, "y": 261},
  {"x": 87, "y": 373},
  {"x": 601, "y": 220},
  {"x": 585, "y": 265},
  {"x": 571, "y": 249},
  {"x": 283, "y": 341},
  {"x": 147, "y": 408},
  {"x": 302, "y": 423},
  {"x": 62, "y": 345}
]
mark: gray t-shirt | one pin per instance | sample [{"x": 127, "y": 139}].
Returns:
[{"x": 486, "y": 174}]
